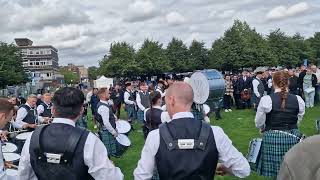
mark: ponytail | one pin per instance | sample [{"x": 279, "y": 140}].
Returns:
[{"x": 281, "y": 80}]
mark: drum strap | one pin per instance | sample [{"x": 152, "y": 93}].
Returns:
[
  {"x": 172, "y": 144},
  {"x": 67, "y": 156}
]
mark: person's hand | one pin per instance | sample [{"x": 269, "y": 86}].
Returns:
[
  {"x": 32, "y": 126},
  {"x": 46, "y": 120},
  {"x": 115, "y": 134},
  {"x": 262, "y": 131},
  {"x": 4, "y": 135},
  {"x": 221, "y": 170},
  {"x": 8, "y": 165}
]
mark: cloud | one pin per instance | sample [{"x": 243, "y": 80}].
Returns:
[
  {"x": 175, "y": 18},
  {"x": 141, "y": 10},
  {"x": 281, "y": 12}
]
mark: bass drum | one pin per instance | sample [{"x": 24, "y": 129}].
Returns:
[{"x": 207, "y": 85}]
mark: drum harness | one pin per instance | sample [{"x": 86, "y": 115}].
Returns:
[
  {"x": 63, "y": 158},
  {"x": 183, "y": 144}
]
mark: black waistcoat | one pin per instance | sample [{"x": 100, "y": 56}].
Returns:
[
  {"x": 47, "y": 110},
  {"x": 54, "y": 139},
  {"x": 153, "y": 117},
  {"x": 112, "y": 119},
  {"x": 188, "y": 164},
  {"x": 31, "y": 116},
  {"x": 283, "y": 120}
]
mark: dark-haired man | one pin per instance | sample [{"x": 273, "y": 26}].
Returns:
[
  {"x": 66, "y": 152},
  {"x": 6, "y": 113}
]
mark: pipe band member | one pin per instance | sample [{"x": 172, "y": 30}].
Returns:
[
  {"x": 27, "y": 116},
  {"x": 107, "y": 120},
  {"x": 66, "y": 152},
  {"x": 129, "y": 101},
  {"x": 277, "y": 118},
  {"x": 143, "y": 100},
  {"x": 186, "y": 148}
]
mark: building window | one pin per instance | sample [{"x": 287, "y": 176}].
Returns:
[
  {"x": 41, "y": 52},
  {"x": 30, "y": 52},
  {"x": 37, "y": 52},
  {"x": 37, "y": 63}
]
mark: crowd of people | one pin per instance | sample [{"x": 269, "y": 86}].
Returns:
[{"x": 179, "y": 142}]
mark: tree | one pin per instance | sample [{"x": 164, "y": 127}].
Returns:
[
  {"x": 198, "y": 55},
  {"x": 70, "y": 77},
  {"x": 282, "y": 46},
  {"x": 93, "y": 72},
  {"x": 315, "y": 46},
  {"x": 120, "y": 62},
  {"x": 240, "y": 47},
  {"x": 11, "y": 70},
  {"x": 178, "y": 56},
  {"x": 151, "y": 58}
]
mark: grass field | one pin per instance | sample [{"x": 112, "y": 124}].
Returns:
[{"x": 238, "y": 125}]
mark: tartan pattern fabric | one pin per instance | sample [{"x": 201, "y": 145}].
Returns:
[
  {"x": 229, "y": 88},
  {"x": 109, "y": 141},
  {"x": 131, "y": 111},
  {"x": 197, "y": 114},
  {"x": 273, "y": 148},
  {"x": 155, "y": 175},
  {"x": 82, "y": 122},
  {"x": 140, "y": 116}
]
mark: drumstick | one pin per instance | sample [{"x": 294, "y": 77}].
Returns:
[
  {"x": 12, "y": 166},
  {"x": 17, "y": 131}
]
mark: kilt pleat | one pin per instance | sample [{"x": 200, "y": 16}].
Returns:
[
  {"x": 109, "y": 141},
  {"x": 140, "y": 116},
  {"x": 131, "y": 111},
  {"x": 273, "y": 148}
]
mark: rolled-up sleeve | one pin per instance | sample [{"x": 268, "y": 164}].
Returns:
[
  {"x": 301, "y": 109},
  {"x": 21, "y": 114},
  {"x": 265, "y": 106},
  {"x": 229, "y": 156}
]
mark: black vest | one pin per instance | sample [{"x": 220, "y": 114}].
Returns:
[
  {"x": 47, "y": 110},
  {"x": 190, "y": 164},
  {"x": 112, "y": 119},
  {"x": 153, "y": 117},
  {"x": 31, "y": 116},
  {"x": 55, "y": 138},
  {"x": 131, "y": 97},
  {"x": 260, "y": 87},
  {"x": 145, "y": 99},
  {"x": 283, "y": 120}
]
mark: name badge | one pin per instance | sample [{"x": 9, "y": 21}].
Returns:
[
  {"x": 53, "y": 158},
  {"x": 186, "y": 143}
]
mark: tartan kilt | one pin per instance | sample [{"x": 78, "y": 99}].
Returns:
[
  {"x": 140, "y": 116},
  {"x": 273, "y": 148},
  {"x": 109, "y": 141},
  {"x": 197, "y": 115},
  {"x": 131, "y": 111},
  {"x": 155, "y": 175},
  {"x": 81, "y": 122}
]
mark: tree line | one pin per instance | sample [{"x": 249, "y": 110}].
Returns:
[{"x": 241, "y": 46}]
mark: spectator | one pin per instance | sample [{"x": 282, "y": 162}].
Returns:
[
  {"x": 293, "y": 83},
  {"x": 316, "y": 72},
  {"x": 309, "y": 84},
  {"x": 228, "y": 94},
  {"x": 245, "y": 89},
  {"x": 236, "y": 91}
]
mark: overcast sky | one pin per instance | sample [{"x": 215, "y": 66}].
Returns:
[{"x": 83, "y": 30}]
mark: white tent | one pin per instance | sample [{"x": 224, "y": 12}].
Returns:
[{"x": 103, "y": 82}]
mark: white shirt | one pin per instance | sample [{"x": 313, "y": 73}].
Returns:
[
  {"x": 255, "y": 84},
  {"x": 145, "y": 111},
  {"x": 229, "y": 156},
  {"x": 21, "y": 114},
  {"x": 163, "y": 94},
  {"x": 94, "y": 153},
  {"x": 265, "y": 107},
  {"x": 104, "y": 112},
  {"x": 40, "y": 109},
  {"x": 138, "y": 100},
  {"x": 3, "y": 175},
  {"x": 88, "y": 97},
  {"x": 126, "y": 98}
]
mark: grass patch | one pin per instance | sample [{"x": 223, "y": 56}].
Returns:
[{"x": 238, "y": 125}]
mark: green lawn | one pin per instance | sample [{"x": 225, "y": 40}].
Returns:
[{"x": 238, "y": 125}]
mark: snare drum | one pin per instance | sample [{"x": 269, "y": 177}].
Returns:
[
  {"x": 123, "y": 142},
  {"x": 14, "y": 158},
  {"x": 9, "y": 147},
  {"x": 12, "y": 174},
  {"x": 123, "y": 127},
  {"x": 21, "y": 139}
]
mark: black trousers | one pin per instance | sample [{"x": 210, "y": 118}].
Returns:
[
  {"x": 117, "y": 109},
  {"x": 227, "y": 101}
]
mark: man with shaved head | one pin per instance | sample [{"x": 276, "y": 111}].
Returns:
[{"x": 186, "y": 148}]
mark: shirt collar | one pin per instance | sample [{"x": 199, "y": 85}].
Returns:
[
  {"x": 157, "y": 107},
  {"x": 277, "y": 90},
  {"x": 105, "y": 102},
  {"x": 64, "y": 121},
  {"x": 29, "y": 105},
  {"x": 180, "y": 115}
]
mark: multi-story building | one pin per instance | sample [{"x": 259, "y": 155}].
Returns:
[
  {"x": 83, "y": 71},
  {"x": 41, "y": 60}
]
